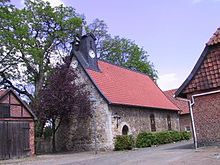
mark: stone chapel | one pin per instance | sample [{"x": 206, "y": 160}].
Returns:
[{"x": 124, "y": 102}]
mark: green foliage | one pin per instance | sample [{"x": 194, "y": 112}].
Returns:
[
  {"x": 48, "y": 132},
  {"x": 163, "y": 137},
  {"x": 147, "y": 139},
  {"x": 121, "y": 51},
  {"x": 176, "y": 136},
  {"x": 124, "y": 52},
  {"x": 185, "y": 135},
  {"x": 38, "y": 129},
  {"x": 124, "y": 142},
  {"x": 36, "y": 37},
  {"x": 33, "y": 39}
]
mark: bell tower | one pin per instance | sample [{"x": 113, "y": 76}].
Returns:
[{"x": 84, "y": 49}]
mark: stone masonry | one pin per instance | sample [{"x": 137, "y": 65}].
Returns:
[
  {"x": 116, "y": 105},
  {"x": 78, "y": 134},
  {"x": 138, "y": 119}
]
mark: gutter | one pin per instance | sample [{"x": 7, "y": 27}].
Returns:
[
  {"x": 192, "y": 119},
  {"x": 191, "y": 103}
]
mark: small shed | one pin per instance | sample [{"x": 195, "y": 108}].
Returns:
[{"x": 16, "y": 126}]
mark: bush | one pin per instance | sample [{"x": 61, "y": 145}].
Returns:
[
  {"x": 145, "y": 139},
  {"x": 176, "y": 136},
  {"x": 124, "y": 142},
  {"x": 163, "y": 137},
  {"x": 185, "y": 135}
]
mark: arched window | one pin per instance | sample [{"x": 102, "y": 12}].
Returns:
[
  {"x": 125, "y": 130},
  {"x": 152, "y": 123},
  {"x": 169, "y": 123}
]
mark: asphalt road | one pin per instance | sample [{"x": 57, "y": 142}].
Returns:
[{"x": 181, "y": 153}]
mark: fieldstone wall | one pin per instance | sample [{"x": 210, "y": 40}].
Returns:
[
  {"x": 138, "y": 119},
  {"x": 77, "y": 134}
]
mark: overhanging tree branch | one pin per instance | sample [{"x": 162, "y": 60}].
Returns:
[{"x": 8, "y": 84}]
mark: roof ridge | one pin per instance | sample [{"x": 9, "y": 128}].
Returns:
[
  {"x": 123, "y": 67},
  {"x": 215, "y": 39},
  {"x": 118, "y": 92}
]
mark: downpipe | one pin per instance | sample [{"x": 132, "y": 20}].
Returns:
[
  {"x": 192, "y": 120},
  {"x": 191, "y": 103}
]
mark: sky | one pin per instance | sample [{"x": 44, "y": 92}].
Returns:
[{"x": 173, "y": 32}]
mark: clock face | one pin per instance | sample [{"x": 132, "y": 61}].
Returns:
[
  {"x": 91, "y": 53},
  {"x": 74, "y": 64}
]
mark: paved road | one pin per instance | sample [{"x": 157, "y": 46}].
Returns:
[{"x": 181, "y": 153}]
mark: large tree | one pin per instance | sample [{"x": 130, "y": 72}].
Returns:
[
  {"x": 121, "y": 51},
  {"x": 63, "y": 97},
  {"x": 36, "y": 37},
  {"x": 33, "y": 39},
  {"x": 124, "y": 52}
]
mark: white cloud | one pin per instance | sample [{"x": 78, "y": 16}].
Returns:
[{"x": 168, "y": 81}]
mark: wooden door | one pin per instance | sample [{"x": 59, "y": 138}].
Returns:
[{"x": 14, "y": 139}]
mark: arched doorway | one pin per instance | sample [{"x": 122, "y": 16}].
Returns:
[{"x": 125, "y": 130}]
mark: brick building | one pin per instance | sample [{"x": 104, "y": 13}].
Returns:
[
  {"x": 184, "y": 118},
  {"x": 16, "y": 126},
  {"x": 124, "y": 102},
  {"x": 202, "y": 89}
]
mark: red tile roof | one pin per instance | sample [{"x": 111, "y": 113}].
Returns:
[
  {"x": 182, "y": 105},
  {"x": 206, "y": 73},
  {"x": 215, "y": 38},
  {"x": 125, "y": 87}
]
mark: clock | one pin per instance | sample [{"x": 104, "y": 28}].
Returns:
[
  {"x": 91, "y": 53},
  {"x": 74, "y": 64}
]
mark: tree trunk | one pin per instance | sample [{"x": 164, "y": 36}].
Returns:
[
  {"x": 36, "y": 103},
  {"x": 53, "y": 136}
]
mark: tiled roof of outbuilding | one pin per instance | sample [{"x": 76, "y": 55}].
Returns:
[
  {"x": 206, "y": 73},
  {"x": 215, "y": 38},
  {"x": 182, "y": 105},
  {"x": 125, "y": 87}
]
